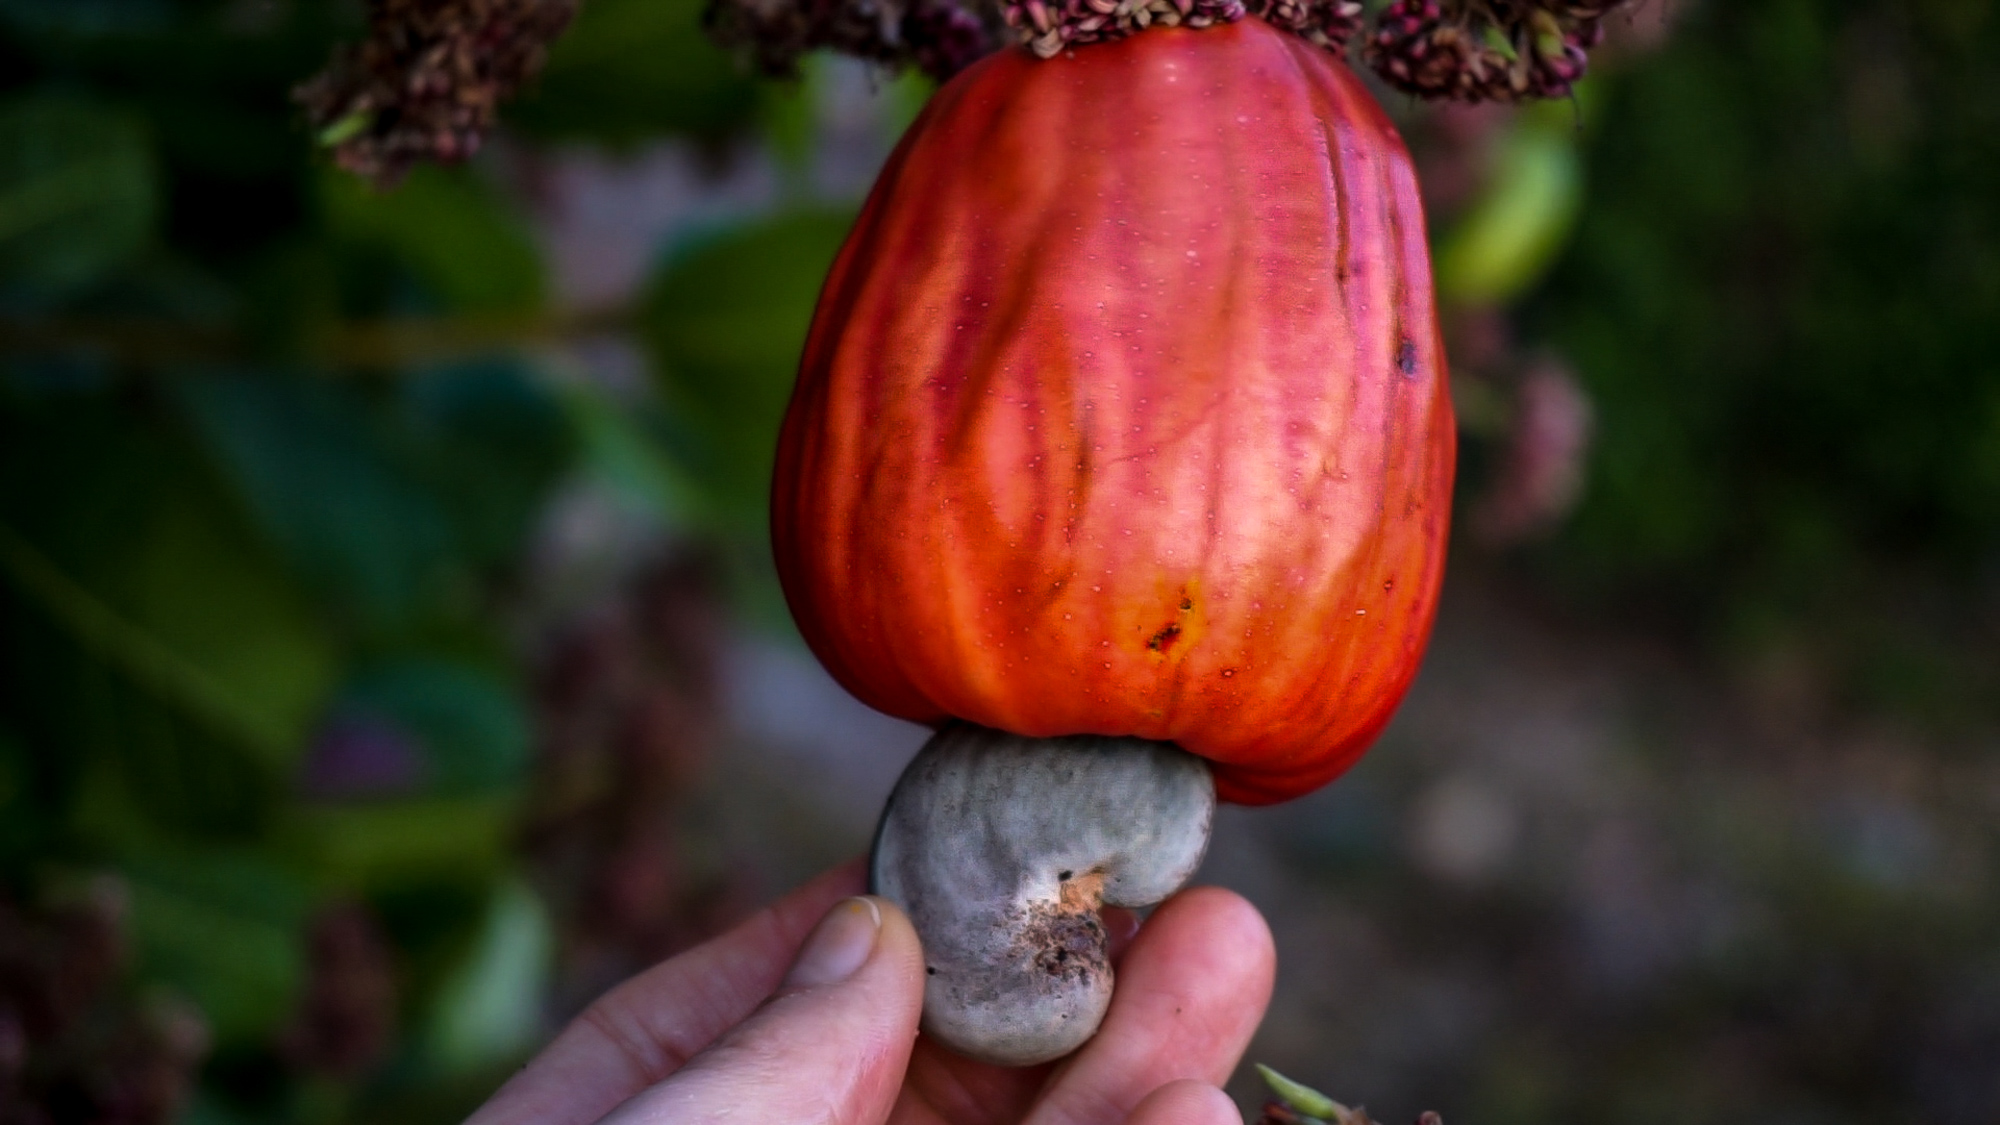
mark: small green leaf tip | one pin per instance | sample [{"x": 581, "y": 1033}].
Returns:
[
  {"x": 1304, "y": 1098},
  {"x": 346, "y": 128}
]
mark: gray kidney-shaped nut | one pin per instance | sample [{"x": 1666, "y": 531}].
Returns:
[{"x": 1001, "y": 849}]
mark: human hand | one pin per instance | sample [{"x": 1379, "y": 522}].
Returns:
[{"x": 808, "y": 1013}]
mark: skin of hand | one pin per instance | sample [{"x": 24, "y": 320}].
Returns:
[{"x": 807, "y": 1013}]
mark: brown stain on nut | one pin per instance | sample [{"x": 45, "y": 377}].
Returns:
[{"x": 1064, "y": 937}]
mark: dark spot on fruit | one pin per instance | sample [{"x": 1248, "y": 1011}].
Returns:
[
  {"x": 1406, "y": 357},
  {"x": 1187, "y": 604},
  {"x": 931, "y": 969},
  {"x": 1164, "y": 639}
]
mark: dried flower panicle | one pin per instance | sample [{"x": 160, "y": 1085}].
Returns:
[
  {"x": 1486, "y": 50},
  {"x": 938, "y": 37},
  {"x": 346, "y": 1019},
  {"x": 428, "y": 81},
  {"x": 1540, "y": 476},
  {"x": 1329, "y": 23},
  {"x": 945, "y": 39},
  {"x": 1465, "y": 50},
  {"x": 74, "y": 1044},
  {"x": 629, "y": 701},
  {"x": 1050, "y": 28}
]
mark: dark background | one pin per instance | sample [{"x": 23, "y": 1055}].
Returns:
[{"x": 392, "y": 660}]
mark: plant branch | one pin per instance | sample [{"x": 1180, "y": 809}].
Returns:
[
  {"x": 389, "y": 344},
  {"x": 110, "y": 637}
]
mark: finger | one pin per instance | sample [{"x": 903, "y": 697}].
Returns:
[
  {"x": 944, "y": 1087},
  {"x": 644, "y": 1029},
  {"x": 1186, "y": 1102},
  {"x": 830, "y": 1049},
  {"x": 1120, "y": 927},
  {"x": 1189, "y": 994}
]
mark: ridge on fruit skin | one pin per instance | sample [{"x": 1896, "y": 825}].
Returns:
[{"x": 1135, "y": 423}]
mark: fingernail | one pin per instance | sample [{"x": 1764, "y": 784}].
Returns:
[
  {"x": 839, "y": 945},
  {"x": 1120, "y": 927}
]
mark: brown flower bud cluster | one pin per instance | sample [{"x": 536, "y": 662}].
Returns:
[
  {"x": 345, "y": 1022},
  {"x": 1541, "y": 473},
  {"x": 1050, "y": 28},
  {"x": 1329, "y": 23},
  {"x": 629, "y": 715},
  {"x": 1465, "y": 50},
  {"x": 428, "y": 80},
  {"x": 1486, "y": 50},
  {"x": 938, "y": 37},
  {"x": 75, "y": 1045}
]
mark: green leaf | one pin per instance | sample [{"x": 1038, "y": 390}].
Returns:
[
  {"x": 724, "y": 324},
  {"x": 177, "y": 602},
  {"x": 386, "y": 502},
  {"x": 489, "y": 441},
  {"x": 313, "y": 469},
  {"x": 449, "y": 228},
  {"x": 345, "y": 129},
  {"x": 620, "y": 452},
  {"x": 373, "y": 844},
  {"x": 129, "y": 646},
  {"x": 628, "y": 71},
  {"x": 216, "y": 601},
  {"x": 25, "y": 823},
  {"x": 471, "y": 726},
  {"x": 225, "y": 929},
  {"x": 87, "y": 17},
  {"x": 145, "y": 626},
  {"x": 490, "y": 1009},
  {"x": 78, "y": 191},
  {"x": 1510, "y": 238},
  {"x": 1303, "y": 1098}
]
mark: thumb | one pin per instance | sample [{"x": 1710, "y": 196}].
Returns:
[{"x": 829, "y": 1048}]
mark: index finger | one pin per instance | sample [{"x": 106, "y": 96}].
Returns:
[
  {"x": 646, "y": 1028},
  {"x": 1189, "y": 995}
]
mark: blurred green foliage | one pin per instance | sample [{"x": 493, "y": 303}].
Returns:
[
  {"x": 256, "y": 543},
  {"x": 725, "y": 321},
  {"x": 1785, "y": 298},
  {"x": 272, "y": 445},
  {"x": 77, "y": 191},
  {"x": 1508, "y": 238},
  {"x": 630, "y": 71}
]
